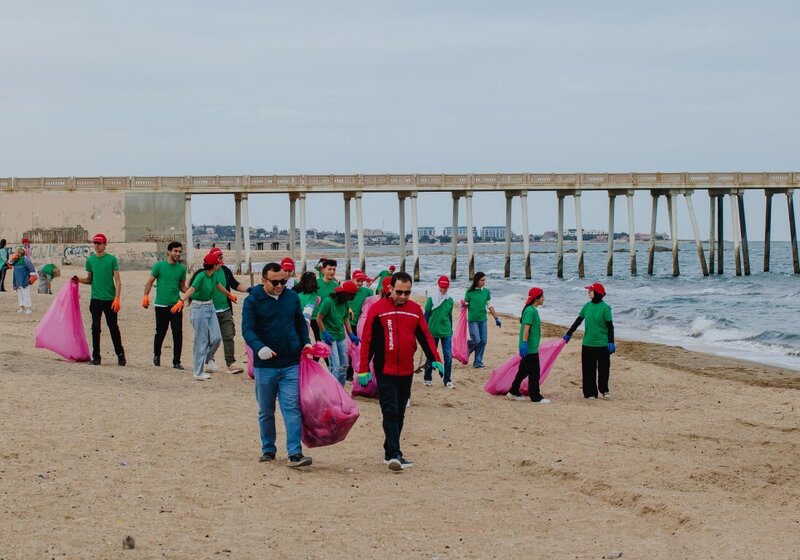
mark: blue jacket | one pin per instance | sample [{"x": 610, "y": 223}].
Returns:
[
  {"x": 23, "y": 269},
  {"x": 277, "y": 323}
]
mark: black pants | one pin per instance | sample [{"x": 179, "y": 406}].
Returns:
[
  {"x": 98, "y": 307},
  {"x": 393, "y": 394},
  {"x": 596, "y": 365},
  {"x": 165, "y": 320},
  {"x": 3, "y": 270},
  {"x": 528, "y": 367}
]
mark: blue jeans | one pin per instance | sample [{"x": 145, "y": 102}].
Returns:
[
  {"x": 283, "y": 384},
  {"x": 447, "y": 356},
  {"x": 339, "y": 360},
  {"x": 207, "y": 335},
  {"x": 477, "y": 340}
]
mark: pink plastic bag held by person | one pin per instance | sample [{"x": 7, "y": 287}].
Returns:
[
  {"x": 328, "y": 411},
  {"x": 362, "y": 319},
  {"x": 499, "y": 382},
  {"x": 460, "y": 338},
  {"x": 250, "y": 365},
  {"x": 61, "y": 328}
]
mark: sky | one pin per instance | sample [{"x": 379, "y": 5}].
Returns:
[{"x": 257, "y": 87}]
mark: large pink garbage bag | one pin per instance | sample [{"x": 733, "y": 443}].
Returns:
[
  {"x": 353, "y": 352},
  {"x": 460, "y": 337},
  {"x": 363, "y": 317},
  {"x": 499, "y": 382},
  {"x": 61, "y": 328},
  {"x": 327, "y": 410},
  {"x": 250, "y": 365},
  {"x": 371, "y": 390}
]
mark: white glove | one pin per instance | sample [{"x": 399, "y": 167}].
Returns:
[{"x": 266, "y": 353}]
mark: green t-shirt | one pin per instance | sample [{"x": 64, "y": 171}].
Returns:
[
  {"x": 440, "y": 322},
  {"x": 324, "y": 289},
  {"x": 531, "y": 317},
  {"x": 48, "y": 269},
  {"x": 102, "y": 269},
  {"x": 334, "y": 316},
  {"x": 306, "y": 299},
  {"x": 596, "y": 315},
  {"x": 221, "y": 301},
  {"x": 168, "y": 285},
  {"x": 477, "y": 300},
  {"x": 205, "y": 286},
  {"x": 357, "y": 302}
]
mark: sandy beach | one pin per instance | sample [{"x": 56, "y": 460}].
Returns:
[{"x": 695, "y": 456}]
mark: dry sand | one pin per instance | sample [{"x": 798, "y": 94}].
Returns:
[{"x": 695, "y": 457}]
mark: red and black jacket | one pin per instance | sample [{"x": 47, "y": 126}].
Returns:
[{"x": 391, "y": 333}]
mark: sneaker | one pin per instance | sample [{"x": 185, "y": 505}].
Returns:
[
  {"x": 28, "y": 312},
  {"x": 266, "y": 457},
  {"x": 514, "y": 397},
  {"x": 95, "y": 361},
  {"x": 591, "y": 398},
  {"x": 450, "y": 385},
  {"x": 479, "y": 366},
  {"x": 234, "y": 369},
  {"x": 121, "y": 361},
  {"x": 211, "y": 367},
  {"x": 178, "y": 366},
  {"x": 543, "y": 401},
  {"x": 299, "y": 460},
  {"x": 202, "y": 377},
  {"x": 405, "y": 463},
  {"x": 606, "y": 395},
  {"x": 20, "y": 310},
  {"x": 428, "y": 382},
  {"x": 156, "y": 360},
  {"x": 394, "y": 465}
]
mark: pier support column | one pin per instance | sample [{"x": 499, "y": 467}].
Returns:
[
  {"x": 301, "y": 198},
  {"x": 248, "y": 256},
  {"x": 631, "y": 233},
  {"x": 700, "y": 253},
  {"x": 579, "y": 232},
  {"x": 507, "y": 264},
  {"x": 711, "y": 225},
  {"x": 292, "y": 225},
  {"x": 792, "y": 230},
  {"x": 454, "y": 238},
  {"x": 672, "y": 206},
  {"x": 362, "y": 262},
  {"x": 767, "y": 228},
  {"x": 470, "y": 238},
  {"x": 238, "y": 235},
  {"x": 560, "y": 237},
  {"x": 743, "y": 234},
  {"x": 720, "y": 233},
  {"x": 347, "y": 251},
  {"x": 526, "y": 242},
  {"x": 651, "y": 250},
  {"x": 612, "y": 197},
  {"x": 187, "y": 223},
  {"x": 737, "y": 261},
  {"x": 414, "y": 237},
  {"x": 401, "y": 200}
]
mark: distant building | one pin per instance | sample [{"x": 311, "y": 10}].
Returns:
[
  {"x": 493, "y": 232},
  {"x": 462, "y": 231},
  {"x": 426, "y": 231}
]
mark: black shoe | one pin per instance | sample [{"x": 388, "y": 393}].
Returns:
[
  {"x": 178, "y": 366},
  {"x": 298, "y": 460},
  {"x": 121, "y": 361},
  {"x": 95, "y": 361},
  {"x": 266, "y": 457},
  {"x": 405, "y": 463},
  {"x": 156, "y": 360}
]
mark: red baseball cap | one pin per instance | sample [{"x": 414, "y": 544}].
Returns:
[
  {"x": 212, "y": 258},
  {"x": 348, "y": 287},
  {"x": 25, "y": 240},
  {"x": 443, "y": 282},
  {"x": 99, "y": 238},
  {"x": 386, "y": 284},
  {"x": 534, "y": 293},
  {"x": 597, "y": 288},
  {"x": 216, "y": 251},
  {"x": 287, "y": 264},
  {"x": 391, "y": 267},
  {"x": 358, "y": 275}
]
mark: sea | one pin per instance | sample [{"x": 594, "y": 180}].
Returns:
[{"x": 755, "y": 317}]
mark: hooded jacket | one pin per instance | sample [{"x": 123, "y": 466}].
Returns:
[{"x": 277, "y": 323}]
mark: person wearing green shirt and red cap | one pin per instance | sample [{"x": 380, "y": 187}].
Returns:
[
  {"x": 326, "y": 284},
  {"x": 598, "y": 343},
  {"x": 386, "y": 273},
  {"x": 334, "y": 323},
  {"x": 530, "y": 334},
  {"x": 103, "y": 276},
  {"x": 477, "y": 299},
  {"x": 46, "y": 275},
  {"x": 439, "y": 315},
  {"x": 358, "y": 301}
]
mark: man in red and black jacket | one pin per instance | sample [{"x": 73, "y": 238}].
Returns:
[{"x": 393, "y": 327}]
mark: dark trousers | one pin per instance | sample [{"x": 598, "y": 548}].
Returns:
[
  {"x": 393, "y": 394},
  {"x": 3, "y": 270},
  {"x": 596, "y": 365},
  {"x": 528, "y": 367},
  {"x": 98, "y": 307},
  {"x": 166, "y": 320}
]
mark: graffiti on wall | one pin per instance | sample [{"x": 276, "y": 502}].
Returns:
[{"x": 130, "y": 257}]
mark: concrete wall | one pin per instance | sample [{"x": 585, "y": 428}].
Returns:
[
  {"x": 154, "y": 217},
  {"x": 131, "y": 256}
]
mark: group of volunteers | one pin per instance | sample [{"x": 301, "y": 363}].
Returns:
[
  {"x": 385, "y": 325},
  {"x": 24, "y": 274}
]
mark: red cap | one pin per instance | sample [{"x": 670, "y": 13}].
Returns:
[
  {"x": 534, "y": 293},
  {"x": 386, "y": 284},
  {"x": 212, "y": 258},
  {"x": 348, "y": 287},
  {"x": 443, "y": 282},
  {"x": 597, "y": 288},
  {"x": 391, "y": 267},
  {"x": 358, "y": 275},
  {"x": 99, "y": 238},
  {"x": 287, "y": 264},
  {"x": 215, "y": 251},
  {"x": 25, "y": 240}
]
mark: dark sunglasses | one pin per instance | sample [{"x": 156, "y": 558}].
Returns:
[
  {"x": 403, "y": 292},
  {"x": 277, "y": 282}
]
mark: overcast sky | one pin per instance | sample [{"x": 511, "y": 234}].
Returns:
[{"x": 208, "y": 87}]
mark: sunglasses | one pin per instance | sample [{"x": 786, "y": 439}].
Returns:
[
  {"x": 403, "y": 292},
  {"x": 277, "y": 282}
]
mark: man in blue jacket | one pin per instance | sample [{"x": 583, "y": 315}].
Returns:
[{"x": 274, "y": 327}]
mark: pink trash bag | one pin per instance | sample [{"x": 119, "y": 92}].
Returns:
[
  {"x": 499, "y": 382},
  {"x": 362, "y": 319},
  {"x": 318, "y": 350},
  {"x": 328, "y": 412},
  {"x": 61, "y": 328},
  {"x": 460, "y": 338},
  {"x": 371, "y": 390},
  {"x": 354, "y": 353}
]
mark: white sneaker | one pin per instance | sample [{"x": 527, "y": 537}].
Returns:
[
  {"x": 543, "y": 401},
  {"x": 450, "y": 385},
  {"x": 234, "y": 369},
  {"x": 591, "y": 398},
  {"x": 515, "y": 397},
  {"x": 428, "y": 383},
  {"x": 202, "y": 377},
  {"x": 606, "y": 395},
  {"x": 211, "y": 367},
  {"x": 19, "y": 310},
  {"x": 28, "y": 312}
]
